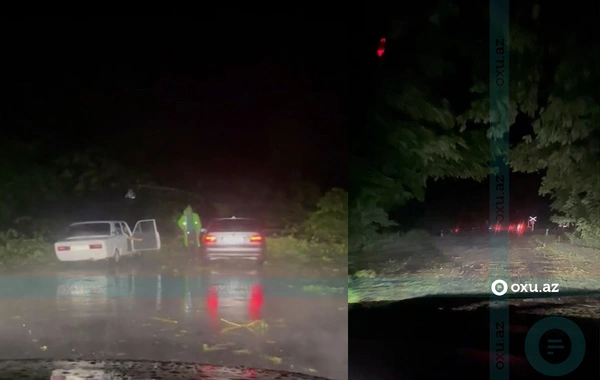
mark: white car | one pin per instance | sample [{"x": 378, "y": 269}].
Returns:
[{"x": 106, "y": 240}]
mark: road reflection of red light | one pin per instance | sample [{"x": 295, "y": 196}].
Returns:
[
  {"x": 250, "y": 373},
  {"x": 256, "y": 301},
  {"x": 207, "y": 369},
  {"x": 212, "y": 301},
  {"x": 212, "y": 308},
  {"x": 254, "y": 306}
]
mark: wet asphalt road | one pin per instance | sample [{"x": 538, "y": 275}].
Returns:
[{"x": 223, "y": 316}]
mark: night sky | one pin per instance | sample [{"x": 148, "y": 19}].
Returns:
[{"x": 235, "y": 97}]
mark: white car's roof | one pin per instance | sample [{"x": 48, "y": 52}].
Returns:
[
  {"x": 235, "y": 218},
  {"x": 97, "y": 221}
]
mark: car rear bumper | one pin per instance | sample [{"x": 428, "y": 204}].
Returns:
[
  {"x": 81, "y": 255},
  {"x": 241, "y": 252}
]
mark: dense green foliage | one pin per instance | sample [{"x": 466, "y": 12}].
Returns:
[
  {"x": 329, "y": 222},
  {"x": 323, "y": 235},
  {"x": 556, "y": 88},
  {"x": 413, "y": 133},
  {"x": 42, "y": 194}
]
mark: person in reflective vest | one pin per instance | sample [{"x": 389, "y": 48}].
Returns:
[{"x": 190, "y": 225}]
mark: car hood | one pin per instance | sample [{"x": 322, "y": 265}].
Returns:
[
  {"x": 573, "y": 302},
  {"x": 31, "y": 369}
]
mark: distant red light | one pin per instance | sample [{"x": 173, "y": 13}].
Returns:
[
  {"x": 520, "y": 229},
  {"x": 381, "y": 48}
]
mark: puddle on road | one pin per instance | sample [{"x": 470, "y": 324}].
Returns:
[{"x": 223, "y": 315}]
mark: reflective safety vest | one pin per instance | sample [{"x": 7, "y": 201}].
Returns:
[{"x": 182, "y": 223}]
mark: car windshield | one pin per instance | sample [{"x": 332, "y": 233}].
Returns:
[
  {"x": 88, "y": 229},
  {"x": 233, "y": 225}
]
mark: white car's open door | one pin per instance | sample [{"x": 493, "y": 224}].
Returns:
[{"x": 145, "y": 236}]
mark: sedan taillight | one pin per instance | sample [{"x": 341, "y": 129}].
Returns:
[{"x": 63, "y": 248}]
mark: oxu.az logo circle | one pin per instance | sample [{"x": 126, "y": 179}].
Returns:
[{"x": 539, "y": 344}]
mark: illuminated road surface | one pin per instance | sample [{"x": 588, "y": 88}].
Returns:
[{"x": 219, "y": 317}]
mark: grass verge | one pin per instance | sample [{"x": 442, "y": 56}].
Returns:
[
  {"x": 18, "y": 252},
  {"x": 291, "y": 248}
]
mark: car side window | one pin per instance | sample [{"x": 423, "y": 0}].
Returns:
[
  {"x": 123, "y": 228},
  {"x": 118, "y": 229}
]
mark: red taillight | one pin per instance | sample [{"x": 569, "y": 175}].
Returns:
[
  {"x": 256, "y": 239},
  {"x": 456, "y": 230},
  {"x": 210, "y": 239},
  {"x": 95, "y": 246},
  {"x": 63, "y": 248}
]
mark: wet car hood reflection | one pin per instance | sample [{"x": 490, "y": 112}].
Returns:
[{"x": 117, "y": 370}]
